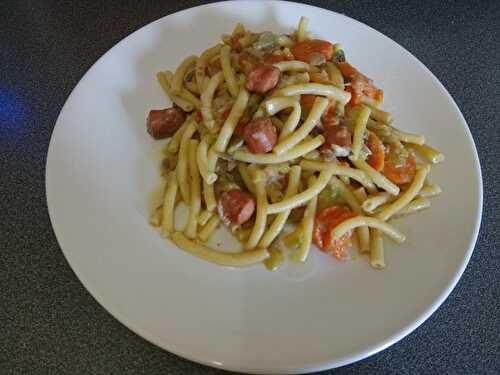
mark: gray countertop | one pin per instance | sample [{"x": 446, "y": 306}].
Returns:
[{"x": 49, "y": 324}]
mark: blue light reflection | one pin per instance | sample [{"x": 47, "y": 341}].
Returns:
[{"x": 12, "y": 108}]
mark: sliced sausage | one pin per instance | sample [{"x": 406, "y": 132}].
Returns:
[
  {"x": 260, "y": 135},
  {"x": 162, "y": 123},
  {"x": 236, "y": 206},
  {"x": 242, "y": 123},
  {"x": 338, "y": 135},
  {"x": 307, "y": 101},
  {"x": 262, "y": 79}
]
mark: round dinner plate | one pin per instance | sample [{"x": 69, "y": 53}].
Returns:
[{"x": 102, "y": 166}]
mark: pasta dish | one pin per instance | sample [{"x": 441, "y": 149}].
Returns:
[{"x": 280, "y": 139}]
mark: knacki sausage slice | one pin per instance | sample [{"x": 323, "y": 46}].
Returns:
[
  {"x": 262, "y": 79},
  {"x": 338, "y": 135},
  {"x": 260, "y": 135},
  {"x": 236, "y": 206},
  {"x": 162, "y": 123}
]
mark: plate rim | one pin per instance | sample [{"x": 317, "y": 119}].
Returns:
[{"x": 306, "y": 367}]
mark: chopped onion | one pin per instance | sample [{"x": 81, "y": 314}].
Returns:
[
  {"x": 340, "y": 151},
  {"x": 317, "y": 59},
  {"x": 266, "y": 40},
  {"x": 364, "y": 152},
  {"x": 328, "y": 155}
]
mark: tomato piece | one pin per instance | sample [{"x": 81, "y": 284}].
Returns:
[
  {"x": 330, "y": 116},
  {"x": 377, "y": 156},
  {"x": 270, "y": 58},
  {"x": 325, "y": 222},
  {"x": 348, "y": 70},
  {"x": 339, "y": 247},
  {"x": 307, "y": 101},
  {"x": 399, "y": 171},
  {"x": 306, "y": 50},
  {"x": 379, "y": 96},
  {"x": 355, "y": 95},
  {"x": 319, "y": 78},
  {"x": 359, "y": 84}
]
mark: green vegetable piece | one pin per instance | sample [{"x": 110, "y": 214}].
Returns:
[{"x": 339, "y": 56}]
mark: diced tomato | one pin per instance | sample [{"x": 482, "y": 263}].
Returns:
[
  {"x": 319, "y": 78},
  {"x": 399, "y": 172},
  {"x": 359, "y": 84},
  {"x": 330, "y": 117},
  {"x": 373, "y": 92},
  {"x": 326, "y": 220},
  {"x": 369, "y": 89},
  {"x": 348, "y": 70},
  {"x": 270, "y": 58},
  {"x": 379, "y": 96},
  {"x": 376, "y": 158},
  {"x": 355, "y": 95},
  {"x": 306, "y": 50}
]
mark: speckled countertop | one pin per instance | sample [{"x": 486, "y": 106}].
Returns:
[{"x": 49, "y": 324}]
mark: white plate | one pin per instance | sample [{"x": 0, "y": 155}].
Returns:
[{"x": 102, "y": 165}]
